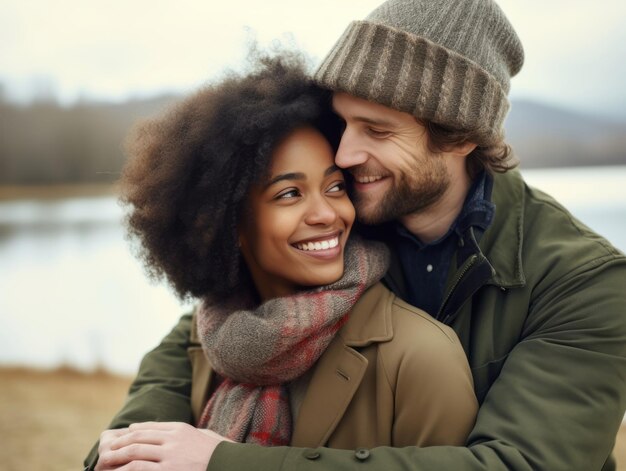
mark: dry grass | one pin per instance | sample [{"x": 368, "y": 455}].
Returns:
[
  {"x": 50, "y": 420},
  {"x": 620, "y": 449}
]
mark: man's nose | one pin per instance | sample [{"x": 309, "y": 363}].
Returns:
[{"x": 350, "y": 152}]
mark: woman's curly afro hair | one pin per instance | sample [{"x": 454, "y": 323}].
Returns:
[{"x": 190, "y": 171}]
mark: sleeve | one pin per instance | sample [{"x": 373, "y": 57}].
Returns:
[
  {"x": 556, "y": 405},
  {"x": 161, "y": 391}
]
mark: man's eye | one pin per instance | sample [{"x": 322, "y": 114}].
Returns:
[{"x": 377, "y": 133}]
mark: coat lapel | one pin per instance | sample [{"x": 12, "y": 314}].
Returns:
[
  {"x": 341, "y": 368},
  {"x": 335, "y": 380}
]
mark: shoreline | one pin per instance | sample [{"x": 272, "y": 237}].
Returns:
[
  {"x": 61, "y": 370},
  {"x": 59, "y": 191},
  {"x": 52, "y": 418}
]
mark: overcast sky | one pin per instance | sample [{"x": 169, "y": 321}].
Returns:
[{"x": 575, "y": 49}]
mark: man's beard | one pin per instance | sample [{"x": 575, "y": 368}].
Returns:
[{"x": 407, "y": 196}]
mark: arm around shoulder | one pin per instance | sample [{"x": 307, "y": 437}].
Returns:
[{"x": 161, "y": 389}]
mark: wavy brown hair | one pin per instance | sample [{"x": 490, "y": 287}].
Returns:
[
  {"x": 494, "y": 157},
  {"x": 190, "y": 170}
]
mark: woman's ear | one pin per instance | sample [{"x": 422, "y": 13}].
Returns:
[
  {"x": 241, "y": 228},
  {"x": 243, "y": 243}
]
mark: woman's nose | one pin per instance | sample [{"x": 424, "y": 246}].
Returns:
[{"x": 321, "y": 211}]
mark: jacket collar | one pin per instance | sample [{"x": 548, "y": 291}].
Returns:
[
  {"x": 501, "y": 244},
  {"x": 370, "y": 319},
  {"x": 503, "y": 241},
  {"x": 340, "y": 371}
]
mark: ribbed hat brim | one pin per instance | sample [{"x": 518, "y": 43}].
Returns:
[{"x": 412, "y": 74}]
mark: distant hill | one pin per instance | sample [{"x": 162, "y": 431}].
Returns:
[
  {"x": 46, "y": 143},
  {"x": 548, "y": 136}
]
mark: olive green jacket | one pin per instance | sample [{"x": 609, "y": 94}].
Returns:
[{"x": 540, "y": 309}]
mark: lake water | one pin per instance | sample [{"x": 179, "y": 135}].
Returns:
[{"x": 71, "y": 293}]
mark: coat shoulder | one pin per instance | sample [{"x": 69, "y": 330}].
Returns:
[
  {"x": 421, "y": 346},
  {"x": 414, "y": 323}
]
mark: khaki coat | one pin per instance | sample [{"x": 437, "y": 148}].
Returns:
[{"x": 392, "y": 376}]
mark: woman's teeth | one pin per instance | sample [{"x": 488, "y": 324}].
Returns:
[{"x": 322, "y": 245}]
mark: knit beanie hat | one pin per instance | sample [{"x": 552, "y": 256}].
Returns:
[{"x": 446, "y": 61}]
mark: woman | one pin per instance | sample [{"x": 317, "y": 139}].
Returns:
[{"x": 236, "y": 200}]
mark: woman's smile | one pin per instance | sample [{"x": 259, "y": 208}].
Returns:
[
  {"x": 299, "y": 219},
  {"x": 325, "y": 247}
]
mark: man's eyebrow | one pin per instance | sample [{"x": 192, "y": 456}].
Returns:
[
  {"x": 367, "y": 120},
  {"x": 298, "y": 176},
  {"x": 375, "y": 122}
]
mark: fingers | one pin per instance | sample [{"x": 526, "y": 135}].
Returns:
[
  {"x": 133, "y": 452},
  {"x": 165, "y": 426},
  {"x": 152, "y": 446},
  {"x": 139, "y": 466},
  {"x": 112, "y": 434},
  {"x": 140, "y": 446},
  {"x": 107, "y": 438},
  {"x": 146, "y": 437}
]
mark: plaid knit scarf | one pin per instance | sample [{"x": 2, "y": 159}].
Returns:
[{"x": 258, "y": 350}]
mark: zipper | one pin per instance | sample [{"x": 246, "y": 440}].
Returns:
[{"x": 466, "y": 266}]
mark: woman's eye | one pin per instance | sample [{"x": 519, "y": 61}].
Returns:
[
  {"x": 293, "y": 193},
  {"x": 337, "y": 187}
]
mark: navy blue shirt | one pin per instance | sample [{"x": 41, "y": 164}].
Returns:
[{"x": 425, "y": 266}]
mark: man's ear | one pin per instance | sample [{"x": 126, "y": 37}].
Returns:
[{"x": 463, "y": 149}]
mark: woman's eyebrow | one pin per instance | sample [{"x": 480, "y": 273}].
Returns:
[
  {"x": 332, "y": 169},
  {"x": 298, "y": 175},
  {"x": 285, "y": 176}
]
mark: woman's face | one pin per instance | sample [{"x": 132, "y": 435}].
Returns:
[{"x": 295, "y": 230}]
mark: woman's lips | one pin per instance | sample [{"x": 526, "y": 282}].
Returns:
[
  {"x": 326, "y": 248},
  {"x": 318, "y": 245}
]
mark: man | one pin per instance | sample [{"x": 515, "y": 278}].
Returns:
[{"x": 536, "y": 298}]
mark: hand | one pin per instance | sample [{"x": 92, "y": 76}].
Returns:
[
  {"x": 157, "y": 446},
  {"x": 106, "y": 438}
]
